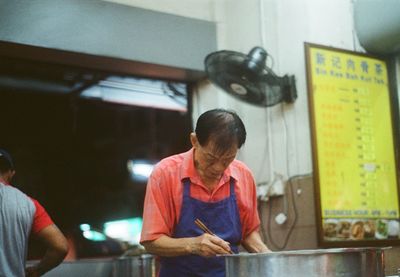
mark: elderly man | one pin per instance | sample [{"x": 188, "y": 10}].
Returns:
[{"x": 208, "y": 184}]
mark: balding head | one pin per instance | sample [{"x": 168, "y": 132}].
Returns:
[{"x": 223, "y": 127}]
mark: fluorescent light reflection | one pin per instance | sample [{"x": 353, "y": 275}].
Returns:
[
  {"x": 140, "y": 92},
  {"x": 94, "y": 235},
  {"x": 84, "y": 227},
  {"x": 140, "y": 170},
  {"x": 91, "y": 234},
  {"x": 126, "y": 230}
]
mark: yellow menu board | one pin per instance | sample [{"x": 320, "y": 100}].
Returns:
[{"x": 353, "y": 146}]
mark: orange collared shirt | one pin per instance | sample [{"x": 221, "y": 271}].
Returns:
[{"x": 163, "y": 201}]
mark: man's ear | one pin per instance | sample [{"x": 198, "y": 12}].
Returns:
[{"x": 193, "y": 139}]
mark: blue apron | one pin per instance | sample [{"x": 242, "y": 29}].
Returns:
[{"x": 221, "y": 217}]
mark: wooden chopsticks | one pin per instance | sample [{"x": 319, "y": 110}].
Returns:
[{"x": 203, "y": 227}]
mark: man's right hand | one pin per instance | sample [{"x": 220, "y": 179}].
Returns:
[
  {"x": 208, "y": 245},
  {"x": 205, "y": 245}
]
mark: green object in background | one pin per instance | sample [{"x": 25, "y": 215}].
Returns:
[{"x": 127, "y": 230}]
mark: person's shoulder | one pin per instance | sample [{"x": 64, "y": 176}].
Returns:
[
  {"x": 241, "y": 172},
  {"x": 16, "y": 194},
  {"x": 240, "y": 166},
  {"x": 170, "y": 161},
  {"x": 12, "y": 190}
]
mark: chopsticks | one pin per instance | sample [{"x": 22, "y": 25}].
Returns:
[{"x": 203, "y": 227}]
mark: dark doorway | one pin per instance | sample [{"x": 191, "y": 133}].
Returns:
[{"x": 71, "y": 153}]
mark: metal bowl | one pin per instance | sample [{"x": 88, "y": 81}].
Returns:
[
  {"x": 134, "y": 266},
  {"x": 344, "y": 262}
]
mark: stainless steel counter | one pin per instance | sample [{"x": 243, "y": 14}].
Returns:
[
  {"x": 344, "y": 262},
  {"x": 136, "y": 266},
  {"x": 83, "y": 268}
]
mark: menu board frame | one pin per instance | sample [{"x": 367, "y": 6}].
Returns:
[{"x": 311, "y": 75}]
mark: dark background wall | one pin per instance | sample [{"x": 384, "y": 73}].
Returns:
[{"x": 71, "y": 154}]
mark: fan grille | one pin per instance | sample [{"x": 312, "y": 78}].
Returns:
[{"x": 229, "y": 70}]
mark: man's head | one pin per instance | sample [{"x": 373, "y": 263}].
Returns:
[
  {"x": 223, "y": 127},
  {"x": 6, "y": 166},
  {"x": 218, "y": 135}
]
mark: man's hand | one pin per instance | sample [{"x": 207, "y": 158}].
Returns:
[
  {"x": 205, "y": 245},
  {"x": 208, "y": 245},
  {"x": 254, "y": 244}
]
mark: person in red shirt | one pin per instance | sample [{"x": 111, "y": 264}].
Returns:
[
  {"x": 205, "y": 183},
  {"x": 21, "y": 216}
]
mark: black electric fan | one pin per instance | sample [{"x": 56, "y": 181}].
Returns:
[{"x": 247, "y": 77}]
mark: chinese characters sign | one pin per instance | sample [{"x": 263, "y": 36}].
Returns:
[{"x": 353, "y": 144}]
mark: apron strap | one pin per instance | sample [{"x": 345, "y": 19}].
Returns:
[{"x": 186, "y": 187}]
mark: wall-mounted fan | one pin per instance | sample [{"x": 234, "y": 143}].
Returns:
[{"x": 248, "y": 78}]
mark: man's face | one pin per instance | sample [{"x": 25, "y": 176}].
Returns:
[{"x": 210, "y": 163}]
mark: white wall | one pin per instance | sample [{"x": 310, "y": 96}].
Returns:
[{"x": 281, "y": 27}]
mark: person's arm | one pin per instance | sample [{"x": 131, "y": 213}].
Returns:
[
  {"x": 205, "y": 245},
  {"x": 56, "y": 249},
  {"x": 254, "y": 244}
]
